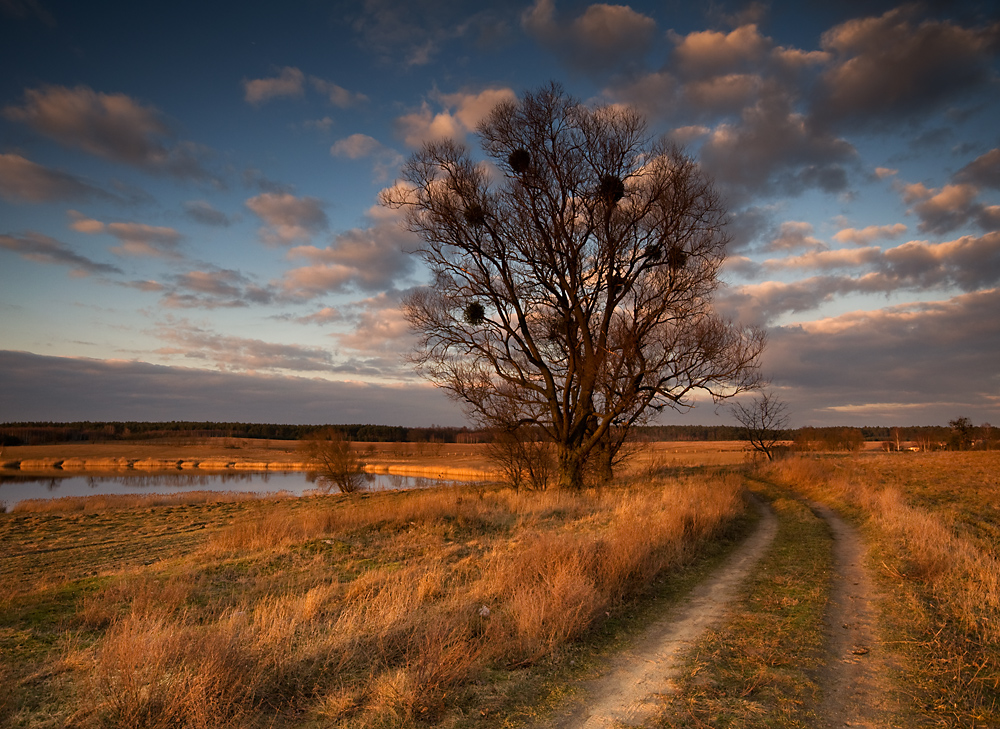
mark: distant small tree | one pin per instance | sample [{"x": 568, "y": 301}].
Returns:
[
  {"x": 336, "y": 464},
  {"x": 764, "y": 420},
  {"x": 961, "y": 433}
]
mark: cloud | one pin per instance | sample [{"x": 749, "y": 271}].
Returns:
[
  {"x": 603, "y": 38},
  {"x": 895, "y": 66},
  {"x": 240, "y": 354},
  {"x": 460, "y": 114},
  {"x": 983, "y": 171},
  {"x": 217, "y": 288},
  {"x": 22, "y": 180},
  {"x": 112, "y": 126},
  {"x": 883, "y": 172},
  {"x": 362, "y": 259},
  {"x": 23, "y": 9},
  {"x": 337, "y": 95},
  {"x": 288, "y": 218},
  {"x": 136, "y": 239},
  {"x": 773, "y": 148},
  {"x": 868, "y": 234},
  {"x": 202, "y": 211},
  {"x": 43, "y": 249},
  {"x": 413, "y": 32},
  {"x": 65, "y": 389},
  {"x": 918, "y": 363},
  {"x": 794, "y": 235},
  {"x": 968, "y": 263},
  {"x": 358, "y": 146},
  {"x": 942, "y": 210},
  {"x": 288, "y": 83}
]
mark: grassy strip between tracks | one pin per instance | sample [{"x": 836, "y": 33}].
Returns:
[{"x": 758, "y": 668}]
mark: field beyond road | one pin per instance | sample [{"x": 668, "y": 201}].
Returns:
[{"x": 444, "y": 460}]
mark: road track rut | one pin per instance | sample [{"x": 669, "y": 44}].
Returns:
[{"x": 628, "y": 690}]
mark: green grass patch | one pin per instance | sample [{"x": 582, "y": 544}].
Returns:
[{"x": 758, "y": 669}]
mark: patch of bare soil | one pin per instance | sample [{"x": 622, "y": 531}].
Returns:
[
  {"x": 628, "y": 691},
  {"x": 855, "y": 678}
]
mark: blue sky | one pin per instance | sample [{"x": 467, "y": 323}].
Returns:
[{"x": 189, "y": 226}]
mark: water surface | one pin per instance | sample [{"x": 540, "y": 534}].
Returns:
[{"x": 14, "y": 488}]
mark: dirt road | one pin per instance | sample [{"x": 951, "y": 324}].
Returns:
[{"x": 628, "y": 690}]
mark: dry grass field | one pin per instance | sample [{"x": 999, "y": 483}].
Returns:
[
  {"x": 447, "y": 606},
  {"x": 428, "y": 459},
  {"x": 932, "y": 521}
]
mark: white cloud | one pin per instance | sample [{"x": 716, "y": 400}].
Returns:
[{"x": 460, "y": 114}]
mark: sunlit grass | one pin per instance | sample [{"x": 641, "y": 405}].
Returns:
[
  {"x": 933, "y": 521},
  {"x": 382, "y": 610}
]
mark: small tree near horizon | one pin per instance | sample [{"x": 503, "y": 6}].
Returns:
[
  {"x": 573, "y": 273},
  {"x": 962, "y": 433},
  {"x": 336, "y": 464},
  {"x": 764, "y": 420}
]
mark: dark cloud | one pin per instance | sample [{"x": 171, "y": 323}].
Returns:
[
  {"x": 772, "y": 148},
  {"x": 214, "y": 289},
  {"x": 43, "y": 249},
  {"x": 64, "y": 389},
  {"x": 949, "y": 208},
  {"x": 24, "y": 9},
  {"x": 201, "y": 211},
  {"x": 240, "y": 354},
  {"x": 892, "y": 67},
  {"x": 967, "y": 263},
  {"x": 22, "y": 180},
  {"x": 415, "y": 32},
  {"x": 112, "y": 126},
  {"x": 602, "y": 39},
  {"x": 984, "y": 171},
  {"x": 914, "y": 364}
]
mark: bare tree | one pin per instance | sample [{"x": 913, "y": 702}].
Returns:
[
  {"x": 764, "y": 420},
  {"x": 336, "y": 464},
  {"x": 573, "y": 276}
]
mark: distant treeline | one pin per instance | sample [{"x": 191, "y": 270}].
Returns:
[
  {"x": 833, "y": 438},
  {"x": 96, "y": 432}
]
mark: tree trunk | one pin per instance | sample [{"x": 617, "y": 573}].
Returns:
[
  {"x": 570, "y": 468},
  {"x": 602, "y": 458}
]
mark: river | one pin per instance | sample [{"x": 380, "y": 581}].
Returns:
[{"x": 296, "y": 483}]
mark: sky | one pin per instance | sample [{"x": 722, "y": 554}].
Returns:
[{"x": 190, "y": 227}]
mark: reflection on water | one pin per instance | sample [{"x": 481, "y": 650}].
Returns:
[{"x": 15, "y": 488}]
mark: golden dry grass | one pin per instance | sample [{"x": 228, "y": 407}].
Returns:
[
  {"x": 420, "y": 458},
  {"x": 377, "y": 611},
  {"x": 934, "y": 523}
]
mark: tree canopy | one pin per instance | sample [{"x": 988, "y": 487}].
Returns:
[{"x": 573, "y": 270}]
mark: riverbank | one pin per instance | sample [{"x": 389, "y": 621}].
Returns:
[{"x": 223, "y": 455}]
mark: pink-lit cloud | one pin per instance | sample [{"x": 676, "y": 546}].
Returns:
[
  {"x": 602, "y": 38},
  {"x": 44, "y": 249},
  {"x": 22, "y": 180},
  {"x": 288, "y": 218},
  {"x": 288, "y": 83},
  {"x": 112, "y": 126}
]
